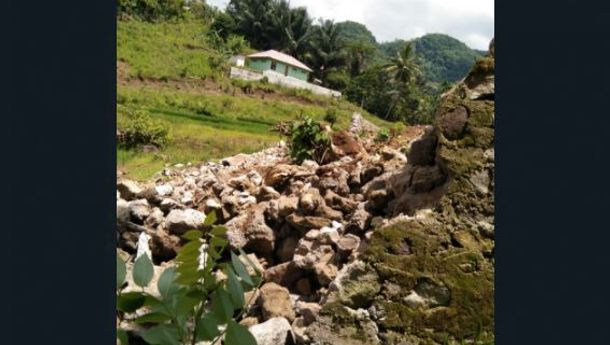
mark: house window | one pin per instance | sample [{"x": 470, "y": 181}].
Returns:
[{"x": 273, "y": 65}]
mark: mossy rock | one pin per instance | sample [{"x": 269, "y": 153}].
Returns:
[{"x": 466, "y": 273}]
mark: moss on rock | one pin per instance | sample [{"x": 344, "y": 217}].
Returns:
[{"x": 466, "y": 273}]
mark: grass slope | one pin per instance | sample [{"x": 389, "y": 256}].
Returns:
[{"x": 209, "y": 115}]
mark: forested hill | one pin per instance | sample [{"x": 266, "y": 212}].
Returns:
[{"x": 441, "y": 57}]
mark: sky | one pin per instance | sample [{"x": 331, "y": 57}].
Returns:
[{"x": 470, "y": 21}]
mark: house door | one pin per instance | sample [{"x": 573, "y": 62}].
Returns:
[{"x": 286, "y": 71}]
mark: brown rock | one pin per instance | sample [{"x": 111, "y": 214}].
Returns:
[
  {"x": 267, "y": 193},
  {"x": 286, "y": 249},
  {"x": 426, "y": 178},
  {"x": 287, "y": 205},
  {"x": 325, "y": 273},
  {"x": 359, "y": 220},
  {"x": 309, "y": 311},
  {"x": 249, "y": 321},
  {"x": 250, "y": 231},
  {"x": 278, "y": 175},
  {"x": 338, "y": 202},
  {"x": 306, "y": 223},
  {"x": 129, "y": 189},
  {"x": 310, "y": 200},
  {"x": 274, "y": 301},
  {"x": 303, "y": 286},
  {"x": 453, "y": 123},
  {"x": 347, "y": 244},
  {"x": 328, "y": 213},
  {"x": 284, "y": 274},
  {"x": 423, "y": 150}
]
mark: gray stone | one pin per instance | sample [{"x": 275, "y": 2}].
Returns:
[
  {"x": 180, "y": 221},
  {"x": 275, "y": 331}
]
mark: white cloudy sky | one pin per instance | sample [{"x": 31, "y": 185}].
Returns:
[{"x": 470, "y": 21}]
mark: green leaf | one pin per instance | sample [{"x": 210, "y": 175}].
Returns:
[
  {"x": 250, "y": 262},
  {"x": 166, "y": 282},
  {"x": 153, "y": 318},
  {"x": 162, "y": 335},
  {"x": 218, "y": 242},
  {"x": 207, "y": 327},
  {"x": 235, "y": 290},
  {"x": 130, "y": 302},
  {"x": 189, "y": 252},
  {"x": 121, "y": 271},
  {"x": 210, "y": 218},
  {"x": 238, "y": 335},
  {"x": 240, "y": 269},
  {"x": 143, "y": 271},
  {"x": 222, "y": 306},
  {"x": 192, "y": 235},
  {"x": 121, "y": 334},
  {"x": 219, "y": 230}
]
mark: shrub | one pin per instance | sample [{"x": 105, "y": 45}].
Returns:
[
  {"x": 383, "y": 135},
  {"x": 331, "y": 116},
  {"x": 137, "y": 128},
  {"x": 307, "y": 140},
  {"x": 397, "y": 128},
  {"x": 193, "y": 302}
]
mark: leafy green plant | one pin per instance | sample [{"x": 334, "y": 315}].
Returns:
[
  {"x": 307, "y": 140},
  {"x": 196, "y": 302},
  {"x": 397, "y": 128},
  {"x": 331, "y": 116},
  {"x": 383, "y": 135},
  {"x": 138, "y": 128}
]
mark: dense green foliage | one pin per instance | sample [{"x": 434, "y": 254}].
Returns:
[
  {"x": 151, "y": 9},
  {"x": 138, "y": 128},
  {"x": 441, "y": 57},
  {"x": 194, "y": 301},
  {"x": 307, "y": 140}
]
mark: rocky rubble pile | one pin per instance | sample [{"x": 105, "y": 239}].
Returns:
[{"x": 387, "y": 244}]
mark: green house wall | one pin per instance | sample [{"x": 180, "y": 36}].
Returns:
[{"x": 264, "y": 64}]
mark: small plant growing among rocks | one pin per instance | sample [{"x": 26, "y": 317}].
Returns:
[
  {"x": 331, "y": 116},
  {"x": 201, "y": 298},
  {"x": 307, "y": 139},
  {"x": 383, "y": 135}
]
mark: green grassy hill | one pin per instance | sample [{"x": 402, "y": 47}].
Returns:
[{"x": 170, "y": 71}]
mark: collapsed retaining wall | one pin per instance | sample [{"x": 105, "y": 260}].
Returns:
[{"x": 280, "y": 79}]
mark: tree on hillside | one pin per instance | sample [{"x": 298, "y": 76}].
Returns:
[
  {"x": 324, "y": 52},
  {"x": 290, "y": 28},
  {"x": 403, "y": 70},
  {"x": 359, "y": 56},
  {"x": 253, "y": 18},
  {"x": 403, "y": 66},
  {"x": 150, "y": 10}
]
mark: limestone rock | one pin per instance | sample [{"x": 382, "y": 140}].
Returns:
[
  {"x": 275, "y": 331},
  {"x": 274, "y": 301},
  {"x": 129, "y": 189},
  {"x": 180, "y": 221},
  {"x": 139, "y": 210}
]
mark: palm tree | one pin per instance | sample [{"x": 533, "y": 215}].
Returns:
[
  {"x": 253, "y": 18},
  {"x": 403, "y": 67},
  {"x": 325, "y": 52},
  {"x": 403, "y": 70}
]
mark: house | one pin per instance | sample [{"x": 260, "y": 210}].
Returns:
[
  {"x": 280, "y": 63},
  {"x": 238, "y": 60}
]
